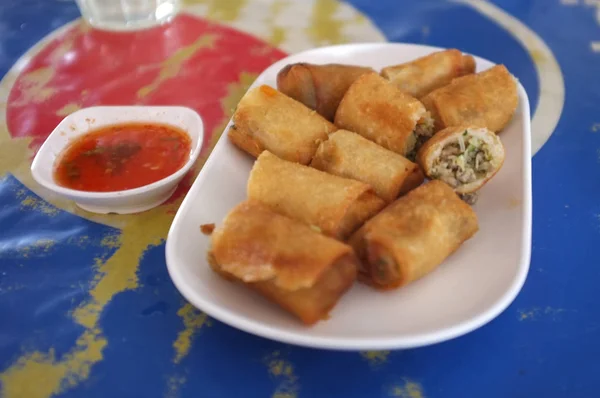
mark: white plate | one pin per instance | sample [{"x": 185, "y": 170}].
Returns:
[{"x": 468, "y": 290}]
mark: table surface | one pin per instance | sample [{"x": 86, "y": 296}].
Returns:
[{"x": 87, "y": 308}]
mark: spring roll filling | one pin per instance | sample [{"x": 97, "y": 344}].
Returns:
[
  {"x": 385, "y": 270},
  {"x": 463, "y": 161},
  {"x": 422, "y": 132},
  {"x": 469, "y": 198}
]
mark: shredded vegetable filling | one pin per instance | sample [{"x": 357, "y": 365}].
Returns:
[
  {"x": 469, "y": 198},
  {"x": 422, "y": 132},
  {"x": 463, "y": 161}
]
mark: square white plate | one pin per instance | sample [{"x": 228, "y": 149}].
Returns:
[{"x": 468, "y": 290}]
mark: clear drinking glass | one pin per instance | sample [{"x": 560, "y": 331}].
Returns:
[{"x": 127, "y": 14}]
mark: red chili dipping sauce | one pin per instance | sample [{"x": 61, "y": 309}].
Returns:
[{"x": 123, "y": 156}]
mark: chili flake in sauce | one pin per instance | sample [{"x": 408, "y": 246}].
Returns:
[{"x": 123, "y": 156}]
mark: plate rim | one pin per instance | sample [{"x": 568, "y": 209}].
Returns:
[{"x": 361, "y": 343}]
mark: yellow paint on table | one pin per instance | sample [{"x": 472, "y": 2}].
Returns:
[
  {"x": 409, "y": 389},
  {"x": 31, "y": 202},
  {"x": 174, "y": 384},
  {"x": 35, "y": 86},
  {"x": 360, "y": 19},
  {"x": 536, "y": 313},
  {"x": 14, "y": 153},
  {"x": 282, "y": 371},
  {"x": 375, "y": 358},
  {"x": 68, "y": 109},
  {"x": 43, "y": 244},
  {"x": 235, "y": 92},
  {"x": 280, "y": 394},
  {"x": 41, "y": 375},
  {"x": 528, "y": 314},
  {"x": 80, "y": 241},
  {"x": 119, "y": 272},
  {"x": 15, "y": 156},
  {"x": 278, "y": 33},
  {"x": 220, "y": 10},
  {"x": 193, "y": 320},
  {"x": 324, "y": 27},
  {"x": 538, "y": 56},
  {"x": 39, "y": 246},
  {"x": 111, "y": 241},
  {"x": 171, "y": 66}
]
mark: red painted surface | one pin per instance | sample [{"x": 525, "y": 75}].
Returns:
[
  {"x": 89, "y": 67},
  {"x": 103, "y": 68}
]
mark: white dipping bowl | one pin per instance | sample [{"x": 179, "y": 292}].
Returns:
[{"x": 90, "y": 119}]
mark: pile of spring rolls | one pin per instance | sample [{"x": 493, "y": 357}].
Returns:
[{"x": 337, "y": 192}]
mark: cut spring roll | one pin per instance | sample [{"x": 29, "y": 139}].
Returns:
[
  {"x": 319, "y": 87},
  {"x": 463, "y": 157},
  {"x": 487, "y": 99},
  {"x": 382, "y": 113},
  {"x": 266, "y": 119},
  {"x": 337, "y": 206},
  {"x": 349, "y": 155},
  {"x": 413, "y": 235},
  {"x": 293, "y": 266},
  {"x": 425, "y": 74}
]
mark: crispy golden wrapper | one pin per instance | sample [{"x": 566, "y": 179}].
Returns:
[
  {"x": 319, "y": 87},
  {"x": 425, "y": 74},
  {"x": 301, "y": 270},
  {"x": 413, "y": 235},
  {"x": 380, "y": 112},
  {"x": 335, "y": 205},
  {"x": 266, "y": 119},
  {"x": 488, "y": 99},
  {"x": 349, "y": 155}
]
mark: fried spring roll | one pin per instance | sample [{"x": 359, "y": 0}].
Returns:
[
  {"x": 413, "y": 235},
  {"x": 319, "y": 87},
  {"x": 295, "y": 267},
  {"x": 349, "y": 155},
  {"x": 382, "y": 113},
  {"x": 488, "y": 99},
  {"x": 425, "y": 74},
  {"x": 335, "y": 205},
  {"x": 463, "y": 157},
  {"x": 266, "y": 119}
]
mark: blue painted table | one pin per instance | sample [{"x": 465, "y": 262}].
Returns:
[{"x": 87, "y": 308}]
